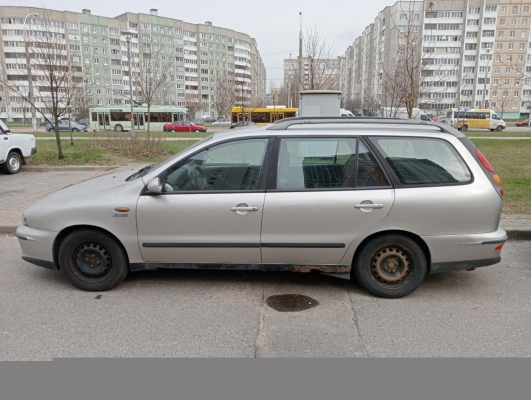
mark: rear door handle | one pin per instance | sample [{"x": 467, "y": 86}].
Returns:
[
  {"x": 369, "y": 205},
  {"x": 244, "y": 208}
]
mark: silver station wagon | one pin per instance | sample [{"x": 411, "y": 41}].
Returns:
[{"x": 387, "y": 201}]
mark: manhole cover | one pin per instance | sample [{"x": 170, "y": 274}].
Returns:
[{"x": 291, "y": 302}]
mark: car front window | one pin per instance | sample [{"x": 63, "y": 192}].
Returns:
[{"x": 232, "y": 166}]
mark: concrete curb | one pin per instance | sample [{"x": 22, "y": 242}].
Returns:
[
  {"x": 512, "y": 234},
  {"x": 46, "y": 168}
]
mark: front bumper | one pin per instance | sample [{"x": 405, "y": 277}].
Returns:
[
  {"x": 37, "y": 246},
  {"x": 459, "y": 252}
]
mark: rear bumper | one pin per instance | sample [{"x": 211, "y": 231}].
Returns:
[
  {"x": 33, "y": 151},
  {"x": 37, "y": 246},
  {"x": 458, "y": 252}
]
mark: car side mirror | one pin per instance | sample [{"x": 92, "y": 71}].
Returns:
[{"x": 154, "y": 186}]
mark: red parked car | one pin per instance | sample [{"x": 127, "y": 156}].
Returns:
[
  {"x": 435, "y": 119},
  {"x": 522, "y": 123},
  {"x": 183, "y": 126}
]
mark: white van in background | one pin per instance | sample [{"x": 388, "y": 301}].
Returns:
[
  {"x": 345, "y": 113},
  {"x": 401, "y": 112}
]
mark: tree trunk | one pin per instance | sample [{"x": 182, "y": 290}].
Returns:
[
  {"x": 60, "y": 154},
  {"x": 149, "y": 118}
]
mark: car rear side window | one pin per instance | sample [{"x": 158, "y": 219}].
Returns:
[
  {"x": 423, "y": 161},
  {"x": 327, "y": 163}
]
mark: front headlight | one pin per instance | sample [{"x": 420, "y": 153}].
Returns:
[{"x": 24, "y": 220}]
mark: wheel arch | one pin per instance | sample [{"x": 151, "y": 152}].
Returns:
[
  {"x": 66, "y": 231},
  {"x": 410, "y": 235}
]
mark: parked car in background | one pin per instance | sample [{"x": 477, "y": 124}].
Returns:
[
  {"x": 437, "y": 118},
  {"x": 64, "y": 126},
  {"x": 14, "y": 149},
  {"x": 386, "y": 201},
  {"x": 243, "y": 124},
  {"x": 210, "y": 119},
  {"x": 221, "y": 122},
  {"x": 441, "y": 120},
  {"x": 183, "y": 126},
  {"x": 523, "y": 123},
  {"x": 84, "y": 121},
  {"x": 197, "y": 121}
]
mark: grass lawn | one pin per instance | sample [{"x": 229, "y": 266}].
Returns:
[
  {"x": 512, "y": 161},
  {"x": 88, "y": 152},
  {"x": 472, "y": 134}
]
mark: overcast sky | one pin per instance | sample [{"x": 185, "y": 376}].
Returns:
[{"x": 273, "y": 23}]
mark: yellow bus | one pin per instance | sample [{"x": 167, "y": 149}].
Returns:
[
  {"x": 261, "y": 116},
  {"x": 480, "y": 118}
]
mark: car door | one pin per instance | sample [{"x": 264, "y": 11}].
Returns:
[
  {"x": 322, "y": 193},
  {"x": 210, "y": 210},
  {"x": 4, "y": 145}
]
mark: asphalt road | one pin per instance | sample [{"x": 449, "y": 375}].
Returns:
[{"x": 486, "y": 313}]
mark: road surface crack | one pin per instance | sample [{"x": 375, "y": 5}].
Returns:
[
  {"x": 261, "y": 322},
  {"x": 356, "y": 322}
]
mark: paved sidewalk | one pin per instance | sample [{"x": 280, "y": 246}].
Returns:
[{"x": 18, "y": 192}]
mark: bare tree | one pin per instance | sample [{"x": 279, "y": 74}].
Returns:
[
  {"x": 151, "y": 74},
  {"x": 370, "y": 103},
  {"x": 225, "y": 95},
  {"x": 322, "y": 69},
  {"x": 193, "y": 105},
  {"x": 57, "y": 73}
]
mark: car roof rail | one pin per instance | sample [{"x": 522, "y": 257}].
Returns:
[{"x": 284, "y": 124}]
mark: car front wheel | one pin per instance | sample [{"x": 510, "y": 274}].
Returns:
[
  {"x": 390, "y": 266},
  {"x": 499, "y": 128},
  {"x": 13, "y": 164},
  {"x": 92, "y": 260}
]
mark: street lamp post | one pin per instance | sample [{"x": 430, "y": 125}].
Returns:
[
  {"x": 128, "y": 40},
  {"x": 30, "y": 77}
]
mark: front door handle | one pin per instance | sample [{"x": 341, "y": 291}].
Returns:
[
  {"x": 369, "y": 205},
  {"x": 244, "y": 208}
]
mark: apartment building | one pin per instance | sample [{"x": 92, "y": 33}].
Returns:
[
  {"x": 473, "y": 53},
  {"x": 318, "y": 74},
  {"x": 203, "y": 53}
]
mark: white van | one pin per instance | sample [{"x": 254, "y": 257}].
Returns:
[
  {"x": 401, "y": 112},
  {"x": 345, "y": 113}
]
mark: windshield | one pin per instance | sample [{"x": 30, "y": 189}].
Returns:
[
  {"x": 143, "y": 171},
  {"x": 3, "y": 127}
]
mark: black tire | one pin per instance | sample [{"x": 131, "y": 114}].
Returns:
[
  {"x": 84, "y": 247},
  {"x": 390, "y": 266},
  {"x": 499, "y": 128},
  {"x": 75, "y": 130},
  {"x": 197, "y": 130},
  {"x": 118, "y": 128},
  {"x": 50, "y": 130},
  {"x": 13, "y": 163},
  {"x": 464, "y": 128}
]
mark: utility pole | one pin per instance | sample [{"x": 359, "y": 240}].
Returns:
[
  {"x": 300, "y": 57},
  {"x": 289, "y": 82},
  {"x": 485, "y": 82},
  {"x": 30, "y": 77}
]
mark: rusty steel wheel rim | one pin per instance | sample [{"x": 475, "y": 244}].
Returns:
[
  {"x": 391, "y": 265},
  {"x": 92, "y": 262}
]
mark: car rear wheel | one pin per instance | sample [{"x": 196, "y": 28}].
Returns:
[
  {"x": 13, "y": 164},
  {"x": 464, "y": 128},
  {"x": 92, "y": 260},
  {"x": 172, "y": 130},
  {"x": 390, "y": 266},
  {"x": 50, "y": 129}
]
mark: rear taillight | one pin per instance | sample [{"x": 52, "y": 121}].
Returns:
[
  {"x": 499, "y": 248},
  {"x": 488, "y": 166},
  {"x": 484, "y": 160}
]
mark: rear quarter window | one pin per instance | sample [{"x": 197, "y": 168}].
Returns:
[{"x": 423, "y": 161}]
